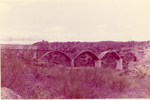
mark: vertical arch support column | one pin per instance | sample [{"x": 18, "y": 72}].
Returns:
[
  {"x": 72, "y": 62},
  {"x": 98, "y": 63},
  {"x": 34, "y": 54},
  {"x": 119, "y": 64}
]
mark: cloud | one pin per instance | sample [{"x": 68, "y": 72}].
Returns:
[
  {"x": 101, "y": 31},
  {"x": 101, "y": 28},
  {"x": 54, "y": 29},
  {"x": 97, "y": 36}
]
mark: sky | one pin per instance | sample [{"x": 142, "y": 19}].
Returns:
[{"x": 30, "y": 21}]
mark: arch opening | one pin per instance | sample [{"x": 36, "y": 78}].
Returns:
[
  {"x": 110, "y": 59},
  {"x": 56, "y": 58},
  {"x": 127, "y": 59},
  {"x": 85, "y": 59}
]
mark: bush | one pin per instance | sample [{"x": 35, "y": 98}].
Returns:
[{"x": 140, "y": 71}]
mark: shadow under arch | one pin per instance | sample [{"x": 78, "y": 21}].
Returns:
[
  {"x": 116, "y": 55},
  {"x": 128, "y": 59},
  {"x": 56, "y": 57},
  {"x": 85, "y": 58}
]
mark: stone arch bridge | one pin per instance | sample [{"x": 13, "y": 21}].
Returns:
[{"x": 85, "y": 57}]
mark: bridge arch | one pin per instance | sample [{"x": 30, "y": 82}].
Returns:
[
  {"x": 128, "y": 59},
  {"x": 85, "y": 58},
  {"x": 57, "y": 57},
  {"x": 87, "y": 51},
  {"x": 105, "y": 52},
  {"x": 56, "y": 51},
  {"x": 117, "y": 57}
]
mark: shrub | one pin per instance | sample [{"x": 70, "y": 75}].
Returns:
[
  {"x": 120, "y": 83},
  {"x": 76, "y": 80},
  {"x": 140, "y": 71}
]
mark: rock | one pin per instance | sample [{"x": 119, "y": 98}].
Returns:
[{"x": 9, "y": 94}]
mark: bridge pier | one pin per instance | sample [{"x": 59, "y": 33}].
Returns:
[
  {"x": 34, "y": 54},
  {"x": 72, "y": 62},
  {"x": 97, "y": 63},
  {"x": 119, "y": 64}
]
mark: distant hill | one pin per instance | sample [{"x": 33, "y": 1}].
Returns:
[
  {"x": 69, "y": 46},
  {"x": 43, "y": 45}
]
